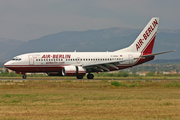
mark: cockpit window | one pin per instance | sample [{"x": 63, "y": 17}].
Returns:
[{"x": 16, "y": 59}]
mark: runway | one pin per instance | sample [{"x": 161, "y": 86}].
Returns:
[{"x": 72, "y": 79}]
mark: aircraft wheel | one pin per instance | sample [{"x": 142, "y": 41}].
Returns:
[
  {"x": 90, "y": 76},
  {"x": 24, "y": 76},
  {"x": 79, "y": 77}
]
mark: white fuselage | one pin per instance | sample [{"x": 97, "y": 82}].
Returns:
[{"x": 51, "y": 61}]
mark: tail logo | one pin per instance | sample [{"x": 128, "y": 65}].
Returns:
[{"x": 146, "y": 34}]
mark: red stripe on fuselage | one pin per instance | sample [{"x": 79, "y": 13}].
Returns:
[{"x": 35, "y": 68}]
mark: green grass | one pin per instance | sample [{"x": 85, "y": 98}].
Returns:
[{"x": 89, "y": 99}]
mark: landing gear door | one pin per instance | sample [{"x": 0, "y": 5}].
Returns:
[{"x": 31, "y": 60}]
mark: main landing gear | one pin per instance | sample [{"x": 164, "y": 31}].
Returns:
[
  {"x": 90, "y": 76},
  {"x": 24, "y": 76},
  {"x": 79, "y": 77}
]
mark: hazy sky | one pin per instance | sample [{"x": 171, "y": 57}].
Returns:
[{"x": 31, "y": 19}]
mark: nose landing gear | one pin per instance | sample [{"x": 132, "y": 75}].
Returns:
[
  {"x": 22, "y": 73},
  {"x": 24, "y": 76}
]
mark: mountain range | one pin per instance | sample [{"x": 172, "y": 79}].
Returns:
[{"x": 102, "y": 40}]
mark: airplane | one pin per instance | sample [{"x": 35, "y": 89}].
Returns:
[{"x": 79, "y": 63}]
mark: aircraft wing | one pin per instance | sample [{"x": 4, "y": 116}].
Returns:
[
  {"x": 103, "y": 66},
  {"x": 150, "y": 55}
]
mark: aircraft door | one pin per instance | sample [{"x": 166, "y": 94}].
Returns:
[
  {"x": 130, "y": 57},
  {"x": 31, "y": 60}
]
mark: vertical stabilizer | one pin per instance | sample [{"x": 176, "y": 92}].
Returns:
[{"x": 145, "y": 41}]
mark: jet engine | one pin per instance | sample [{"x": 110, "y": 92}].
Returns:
[{"x": 73, "y": 71}]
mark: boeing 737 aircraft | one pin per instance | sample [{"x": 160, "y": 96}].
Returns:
[{"x": 79, "y": 63}]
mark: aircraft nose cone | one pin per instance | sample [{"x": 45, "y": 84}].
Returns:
[{"x": 6, "y": 64}]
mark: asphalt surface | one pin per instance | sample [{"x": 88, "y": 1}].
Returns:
[{"x": 61, "y": 79}]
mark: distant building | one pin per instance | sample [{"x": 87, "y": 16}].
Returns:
[
  {"x": 142, "y": 73},
  {"x": 6, "y": 70},
  {"x": 171, "y": 72},
  {"x": 163, "y": 72},
  {"x": 2, "y": 69}
]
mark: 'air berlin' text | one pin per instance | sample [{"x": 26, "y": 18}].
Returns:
[{"x": 146, "y": 34}]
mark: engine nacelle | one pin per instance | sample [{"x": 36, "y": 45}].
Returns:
[{"x": 73, "y": 71}]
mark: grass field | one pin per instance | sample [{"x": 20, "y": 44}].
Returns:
[{"x": 90, "y": 99}]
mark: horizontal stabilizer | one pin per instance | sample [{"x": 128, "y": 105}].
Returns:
[{"x": 150, "y": 55}]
